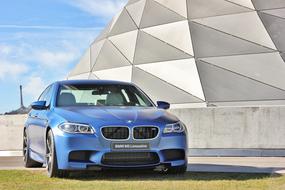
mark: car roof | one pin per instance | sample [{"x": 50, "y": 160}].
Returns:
[{"x": 88, "y": 82}]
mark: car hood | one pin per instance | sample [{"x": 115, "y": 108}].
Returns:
[{"x": 116, "y": 115}]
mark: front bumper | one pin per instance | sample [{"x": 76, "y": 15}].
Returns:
[{"x": 91, "y": 149}]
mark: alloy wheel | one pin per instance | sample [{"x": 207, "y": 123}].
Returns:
[
  {"x": 49, "y": 154},
  {"x": 25, "y": 146}
]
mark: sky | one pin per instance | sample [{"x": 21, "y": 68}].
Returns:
[{"x": 42, "y": 40}]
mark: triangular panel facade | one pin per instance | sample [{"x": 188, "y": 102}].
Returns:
[{"x": 194, "y": 51}]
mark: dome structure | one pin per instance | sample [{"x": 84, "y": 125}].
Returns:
[{"x": 198, "y": 52}]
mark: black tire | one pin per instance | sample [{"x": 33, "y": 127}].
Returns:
[
  {"x": 179, "y": 170},
  {"x": 52, "y": 167},
  {"x": 28, "y": 162}
]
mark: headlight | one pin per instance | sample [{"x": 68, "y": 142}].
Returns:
[
  {"x": 178, "y": 127},
  {"x": 76, "y": 128}
]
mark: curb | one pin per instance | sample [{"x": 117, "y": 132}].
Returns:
[{"x": 11, "y": 153}]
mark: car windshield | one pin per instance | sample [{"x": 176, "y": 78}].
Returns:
[{"x": 101, "y": 95}]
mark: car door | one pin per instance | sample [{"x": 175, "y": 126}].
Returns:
[{"x": 39, "y": 123}]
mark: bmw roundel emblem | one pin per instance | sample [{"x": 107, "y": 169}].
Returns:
[{"x": 129, "y": 121}]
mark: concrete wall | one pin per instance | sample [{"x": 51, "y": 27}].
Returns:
[
  {"x": 11, "y": 131},
  {"x": 254, "y": 131}
]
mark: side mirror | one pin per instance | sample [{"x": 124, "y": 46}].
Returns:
[
  {"x": 163, "y": 105},
  {"x": 39, "y": 105}
]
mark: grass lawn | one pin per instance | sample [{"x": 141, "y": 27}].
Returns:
[{"x": 117, "y": 180}]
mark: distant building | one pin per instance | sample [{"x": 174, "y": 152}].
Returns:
[{"x": 194, "y": 52}]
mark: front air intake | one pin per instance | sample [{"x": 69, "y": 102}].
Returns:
[{"x": 130, "y": 158}]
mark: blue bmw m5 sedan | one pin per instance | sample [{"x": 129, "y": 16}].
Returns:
[{"x": 96, "y": 125}]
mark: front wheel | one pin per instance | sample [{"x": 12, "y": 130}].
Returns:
[
  {"x": 51, "y": 158},
  {"x": 28, "y": 161}
]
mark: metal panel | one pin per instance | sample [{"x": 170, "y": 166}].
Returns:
[
  {"x": 268, "y": 68},
  {"x": 104, "y": 34},
  {"x": 132, "y": 2},
  {"x": 123, "y": 24},
  {"x": 181, "y": 73},
  {"x": 121, "y": 74},
  {"x": 126, "y": 43},
  {"x": 150, "y": 49},
  {"x": 177, "y": 6},
  {"x": 83, "y": 66},
  {"x": 92, "y": 76},
  {"x": 95, "y": 50},
  {"x": 80, "y": 76},
  {"x": 136, "y": 11},
  {"x": 249, "y": 27},
  {"x": 208, "y": 8},
  {"x": 110, "y": 57},
  {"x": 160, "y": 90},
  {"x": 156, "y": 14},
  {"x": 276, "y": 28},
  {"x": 177, "y": 34},
  {"x": 268, "y": 4},
  {"x": 245, "y": 3},
  {"x": 283, "y": 56},
  {"x": 276, "y": 12},
  {"x": 208, "y": 42},
  {"x": 221, "y": 86}
]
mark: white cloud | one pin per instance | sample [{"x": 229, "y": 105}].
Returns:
[
  {"x": 100, "y": 8},
  {"x": 5, "y": 49},
  {"x": 49, "y": 58},
  {"x": 10, "y": 70},
  {"x": 48, "y": 50},
  {"x": 34, "y": 87},
  {"x": 36, "y": 59}
]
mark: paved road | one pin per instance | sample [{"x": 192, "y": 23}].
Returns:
[
  {"x": 11, "y": 163},
  {"x": 199, "y": 164},
  {"x": 237, "y": 164}
]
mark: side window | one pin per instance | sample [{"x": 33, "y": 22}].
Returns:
[
  {"x": 42, "y": 96},
  {"x": 46, "y": 95}
]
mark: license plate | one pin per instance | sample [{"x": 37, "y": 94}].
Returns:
[{"x": 130, "y": 146}]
